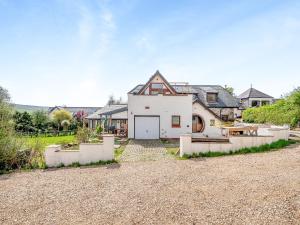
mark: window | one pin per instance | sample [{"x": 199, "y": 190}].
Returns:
[
  {"x": 224, "y": 117},
  {"x": 265, "y": 102},
  {"x": 212, "y": 123},
  {"x": 255, "y": 103},
  {"x": 175, "y": 121},
  {"x": 211, "y": 97},
  {"x": 158, "y": 88}
]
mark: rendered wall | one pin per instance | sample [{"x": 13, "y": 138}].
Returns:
[
  {"x": 165, "y": 107},
  {"x": 235, "y": 142},
  {"x": 86, "y": 154}
]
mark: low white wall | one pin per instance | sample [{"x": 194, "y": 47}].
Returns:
[
  {"x": 235, "y": 142},
  {"x": 86, "y": 154}
]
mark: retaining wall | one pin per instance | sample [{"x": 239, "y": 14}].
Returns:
[
  {"x": 87, "y": 153},
  {"x": 235, "y": 142}
]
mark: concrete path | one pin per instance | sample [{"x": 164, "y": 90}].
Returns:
[{"x": 144, "y": 150}]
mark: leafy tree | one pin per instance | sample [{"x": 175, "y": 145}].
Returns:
[
  {"x": 40, "y": 120},
  {"x": 9, "y": 145},
  {"x": 65, "y": 124},
  {"x": 23, "y": 122},
  {"x": 61, "y": 115},
  {"x": 113, "y": 101},
  {"x": 230, "y": 90}
]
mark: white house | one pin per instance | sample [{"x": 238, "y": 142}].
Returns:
[{"x": 160, "y": 109}]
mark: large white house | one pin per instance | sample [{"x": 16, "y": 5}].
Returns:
[{"x": 160, "y": 109}]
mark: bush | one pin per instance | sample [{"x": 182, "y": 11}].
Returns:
[
  {"x": 285, "y": 111},
  {"x": 83, "y": 135}
]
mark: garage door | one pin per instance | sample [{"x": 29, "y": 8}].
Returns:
[{"x": 146, "y": 127}]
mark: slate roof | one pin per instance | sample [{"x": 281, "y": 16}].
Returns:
[
  {"x": 253, "y": 93},
  {"x": 225, "y": 99},
  {"x": 108, "y": 110}
]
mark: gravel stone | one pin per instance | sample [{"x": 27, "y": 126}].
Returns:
[{"x": 245, "y": 189}]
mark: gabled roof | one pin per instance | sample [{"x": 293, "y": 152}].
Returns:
[
  {"x": 157, "y": 73},
  {"x": 253, "y": 93},
  {"x": 224, "y": 100},
  {"x": 108, "y": 110}
]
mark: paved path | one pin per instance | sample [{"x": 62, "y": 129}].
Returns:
[{"x": 144, "y": 150}]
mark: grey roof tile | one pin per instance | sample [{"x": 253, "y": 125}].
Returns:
[{"x": 253, "y": 93}]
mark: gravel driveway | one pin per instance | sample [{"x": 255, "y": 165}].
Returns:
[{"x": 248, "y": 189}]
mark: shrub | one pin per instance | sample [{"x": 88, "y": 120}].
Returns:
[
  {"x": 285, "y": 111},
  {"x": 83, "y": 135}
]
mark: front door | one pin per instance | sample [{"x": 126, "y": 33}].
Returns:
[{"x": 198, "y": 125}]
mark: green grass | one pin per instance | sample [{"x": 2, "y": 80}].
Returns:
[
  {"x": 172, "y": 150},
  {"x": 263, "y": 148},
  {"x": 45, "y": 141}
]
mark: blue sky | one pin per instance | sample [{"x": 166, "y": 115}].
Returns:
[{"x": 77, "y": 53}]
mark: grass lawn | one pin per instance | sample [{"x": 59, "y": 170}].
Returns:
[{"x": 45, "y": 141}]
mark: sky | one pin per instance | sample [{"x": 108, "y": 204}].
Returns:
[{"x": 77, "y": 53}]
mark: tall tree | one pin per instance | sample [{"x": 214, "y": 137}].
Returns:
[
  {"x": 40, "y": 120},
  {"x": 61, "y": 115},
  {"x": 112, "y": 100},
  {"x": 23, "y": 122},
  {"x": 230, "y": 90}
]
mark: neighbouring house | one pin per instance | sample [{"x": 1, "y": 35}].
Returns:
[
  {"x": 111, "y": 118},
  {"x": 73, "y": 110},
  {"x": 254, "y": 98},
  {"x": 159, "y": 109}
]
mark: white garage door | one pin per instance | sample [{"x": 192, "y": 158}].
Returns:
[{"x": 146, "y": 127}]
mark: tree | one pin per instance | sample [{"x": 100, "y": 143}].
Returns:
[
  {"x": 40, "y": 120},
  {"x": 61, "y": 115},
  {"x": 113, "y": 101},
  {"x": 23, "y": 122},
  {"x": 8, "y": 144},
  {"x": 230, "y": 90}
]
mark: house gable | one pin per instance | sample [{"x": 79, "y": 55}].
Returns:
[{"x": 157, "y": 84}]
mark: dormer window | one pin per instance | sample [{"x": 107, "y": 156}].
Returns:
[{"x": 212, "y": 97}]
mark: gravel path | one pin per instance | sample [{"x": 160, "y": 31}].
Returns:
[
  {"x": 144, "y": 150},
  {"x": 248, "y": 189}
]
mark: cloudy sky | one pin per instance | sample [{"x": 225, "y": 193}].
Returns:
[{"x": 77, "y": 53}]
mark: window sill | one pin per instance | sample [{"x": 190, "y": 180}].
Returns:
[{"x": 174, "y": 126}]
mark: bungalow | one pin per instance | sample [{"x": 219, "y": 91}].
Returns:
[
  {"x": 159, "y": 109},
  {"x": 254, "y": 98},
  {"x": 111, "y": 117}
]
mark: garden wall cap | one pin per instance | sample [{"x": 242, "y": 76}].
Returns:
[
  {"x": 107, "y": 135},
  {"x": 53, "y": 146}
]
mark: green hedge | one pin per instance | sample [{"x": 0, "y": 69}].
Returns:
[{"x": 285, "y": 111}]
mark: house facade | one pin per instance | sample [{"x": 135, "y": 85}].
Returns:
[
  {"x": 254, "y": 98},
  {"x": 160, "y": 109}
]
